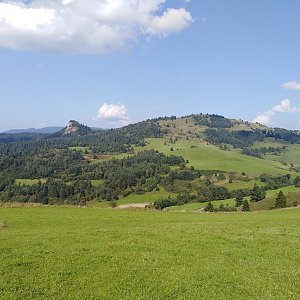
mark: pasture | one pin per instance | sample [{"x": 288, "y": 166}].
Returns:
[
  {"x": 208, "y": 157},
  {"x": 82, "y": 253}
]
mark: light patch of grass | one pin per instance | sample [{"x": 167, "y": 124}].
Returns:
[
  {"x": 149, "y": 197},
  {"x": 29, "y": 181},
  {"x": 110, "y": 156},
  {"x": 97, "y": 182},
  {"x": 122, "y": 155},
  {"x": 81, "y": 149},
  {"x": 3, "y": 224},
  {"x": 267, "y": 142},
  {"x": 235, "y": 185}
]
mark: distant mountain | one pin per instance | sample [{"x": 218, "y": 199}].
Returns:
[{"x": 46, "y": 130}]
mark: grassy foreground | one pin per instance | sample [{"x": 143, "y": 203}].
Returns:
[{"x": 74, "y": 253}]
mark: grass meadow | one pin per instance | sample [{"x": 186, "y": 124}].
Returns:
[
  {"x": 209, "y": 157},
  {"x": 84, "y": 253}
]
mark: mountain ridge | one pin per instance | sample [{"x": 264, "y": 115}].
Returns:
[{"x": 44, "y": 130}]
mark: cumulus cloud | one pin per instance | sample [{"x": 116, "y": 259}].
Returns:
[
  {"x": 112, "y": 111},
  {"x": 172, "y": 20},
  {"x": 116, "y": 114},
  {"x": 285, "y": 106},
  {"x": 86, "y": 26},
  {"x": 264, "y": 118},
  {"x": 291, "y": 85}
]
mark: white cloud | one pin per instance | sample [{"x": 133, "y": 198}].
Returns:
[
  {"x": 285, "y": 106},
  {"x": 116, "y": 114},
  {"x": 86, "y": 26},
  {"x": 172, "y": 20},
  {"x": 25, "y": 19},
  {"x": 291, "y": 85},
  {"x": 264, "y": 118},
  {"x": 112, "y": 111}
]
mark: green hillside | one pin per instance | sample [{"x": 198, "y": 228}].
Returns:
[{"x": 208, "y": 157}]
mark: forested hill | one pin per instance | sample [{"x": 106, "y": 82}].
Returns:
[{"x": 198, "y": 157}]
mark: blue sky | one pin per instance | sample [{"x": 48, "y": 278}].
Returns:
[{"x": 235, "y": 58}]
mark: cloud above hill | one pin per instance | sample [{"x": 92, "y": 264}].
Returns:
[
  {"x": 114, "y": 114},
  {"x": 285, "y": 106},
  {"x": 86, "y": 26}
]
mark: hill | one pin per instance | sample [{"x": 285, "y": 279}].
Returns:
[
  {"x": 73, "y": 128},
  {"x": 195, "y": 158}
]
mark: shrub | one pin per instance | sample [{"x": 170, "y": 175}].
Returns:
[{"x": 209, "y": 207}]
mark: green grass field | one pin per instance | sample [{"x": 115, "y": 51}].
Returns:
[
  {"x": 76, "y": 253},
  {"x": 208, "y": 157}
]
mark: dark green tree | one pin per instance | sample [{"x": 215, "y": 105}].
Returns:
[
  {"x": 246, "y": 206},
  {"x": 258, "y": 193},
  {"x": 239, "y": 200},
  {"x": 209, "y": 207},
  {"x": 280, "y": 200}
]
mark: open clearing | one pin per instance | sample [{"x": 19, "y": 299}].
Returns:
[{"x": 74, "y": 253}]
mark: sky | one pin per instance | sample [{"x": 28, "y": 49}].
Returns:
[{"x": 108, "y": 63}]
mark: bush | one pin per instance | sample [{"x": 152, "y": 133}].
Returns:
[
  {"x": 209, "y": 207},
  {"x": 113, "y": 204},
  {"x": 163, "y": 203}
]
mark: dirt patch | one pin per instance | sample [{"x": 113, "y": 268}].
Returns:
[{"x": 135, "y": 205}]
